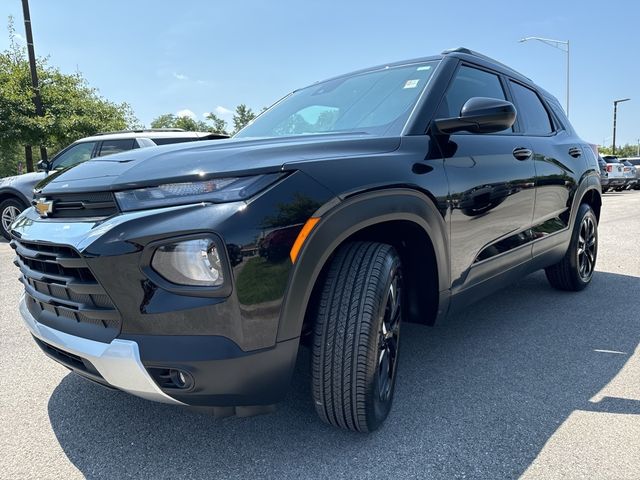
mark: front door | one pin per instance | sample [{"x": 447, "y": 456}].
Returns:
[{"x": 491, "y": 188}]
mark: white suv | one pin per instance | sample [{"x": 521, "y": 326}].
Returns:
[{"x": 16, "y": 192}]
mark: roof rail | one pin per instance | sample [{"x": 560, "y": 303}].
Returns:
[
  {"x": 142, "y": 130},
  {"x": 468, "y": 51}
]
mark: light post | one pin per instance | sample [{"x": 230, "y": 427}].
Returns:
[
  {"x": 560, "y": 45},
  {"x": 615, "y": 114}
]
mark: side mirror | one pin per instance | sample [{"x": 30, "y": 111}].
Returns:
[
  {"x": 43, "y": 166},
  {"x": 479, "y": 115}
]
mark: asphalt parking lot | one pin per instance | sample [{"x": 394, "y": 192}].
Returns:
[{"x": 529, "y": 382}]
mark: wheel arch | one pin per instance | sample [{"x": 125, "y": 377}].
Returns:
[
  {"x": 589, "y": 192},
  {"x": 402, "y": 217},
  {"x": 10, "y": 193}
]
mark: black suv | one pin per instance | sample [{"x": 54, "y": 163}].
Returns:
[{"x": 191, "y": 274}]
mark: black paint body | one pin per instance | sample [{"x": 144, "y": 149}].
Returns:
[{"x": 474, "y": 216}]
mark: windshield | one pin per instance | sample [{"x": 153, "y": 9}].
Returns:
[{"x": 376, "y": 102}]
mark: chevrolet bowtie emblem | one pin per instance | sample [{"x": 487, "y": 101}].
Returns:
[{"x": 44, "y": 207}]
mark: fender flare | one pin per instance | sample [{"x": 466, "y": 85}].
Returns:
[
  {"x": 14, "y": 193},
  {"x": 340, "y": 222},
  {"x": 589, "y": 182}
]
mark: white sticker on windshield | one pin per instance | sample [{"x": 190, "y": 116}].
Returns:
[
  {"x": 411, "y": 84},
  {"x": 424, "y": 67}
]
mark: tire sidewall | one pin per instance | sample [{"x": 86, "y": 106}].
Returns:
[
  {"x": 11, "y": 202},
  {"x": 584, "y": 211},
  {"x": 377, "y": 409}
]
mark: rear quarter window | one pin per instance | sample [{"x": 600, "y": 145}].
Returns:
[{"x": 533, "y": 116}]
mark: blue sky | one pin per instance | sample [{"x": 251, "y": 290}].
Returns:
[{"x": 202, "y": 56}]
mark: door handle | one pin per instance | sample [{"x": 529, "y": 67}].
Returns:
[
  {"x": 522, "y": 153},
  {"x": 575, "y": 152}
]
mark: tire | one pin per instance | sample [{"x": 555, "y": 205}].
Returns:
[
  {"x": 355, "y": 338},
  {"x": 9, "y": 209},
  {"x": 575, "y": 271}
]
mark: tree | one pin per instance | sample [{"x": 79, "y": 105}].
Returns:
[
  {"x": 219, "y": 125},
  {"x": 72, "y": 109},
  {"x": 242, "y": 116},
  {"x": 621, "y": 151},
  {"x": 168, "y": 120}
]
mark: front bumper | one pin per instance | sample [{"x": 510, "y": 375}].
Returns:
[
  {"x": 223, "y": 375},
  {"x": 118, "y": 362}
]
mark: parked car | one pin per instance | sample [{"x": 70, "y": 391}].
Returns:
[
  {"x": 635, "y": 161},
  {"x": 604, "y": 175},
  {"x": 16, "y": 193},
  {"x": 397, "y": 173},
  {"x": 631, "y": 174},
  {"x": 615, "y": 173}
]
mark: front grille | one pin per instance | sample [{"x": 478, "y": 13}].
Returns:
[
  {"x": 81, "y": 205},
  {"x": 61, "y": 292}
]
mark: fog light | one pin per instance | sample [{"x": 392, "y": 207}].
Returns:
[
  {"x": 181, "y": 379},
  {"x": 192, "y": 262}
]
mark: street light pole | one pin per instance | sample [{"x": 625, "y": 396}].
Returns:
[
  {"x": 562, "y": 45},
  {"x": 615, "y": 115}
]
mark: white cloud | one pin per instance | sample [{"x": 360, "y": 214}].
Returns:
[
  {"x": 19, "y": 38},
  {"x": 220, "y": 110},
  {"x": 180, "y": 76},
  {"x": 186, "y": 113}
]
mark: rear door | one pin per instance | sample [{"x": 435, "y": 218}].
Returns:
[{"x": 559, "y": 158}]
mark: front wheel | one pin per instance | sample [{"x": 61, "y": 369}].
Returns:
[
  {"x": 9, "y": 211},
  {"x": 575, "y": 271},
  {"x": 356, "y": 336}
]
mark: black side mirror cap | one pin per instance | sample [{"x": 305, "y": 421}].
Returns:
[
  {"x": 479, "y": 115},
  {"x": 43, "y": 166}
]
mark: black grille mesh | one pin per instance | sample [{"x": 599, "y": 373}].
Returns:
[{"x": 62, "y": 292}]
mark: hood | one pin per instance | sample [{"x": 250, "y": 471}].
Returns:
[
  {"x": 209, "y": 159},
  {"x": 27, "y": 178}
]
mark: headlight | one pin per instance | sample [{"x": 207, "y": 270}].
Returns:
[
  {"x": 194, "y": 263},
  {"x": 216, "y": 190}
]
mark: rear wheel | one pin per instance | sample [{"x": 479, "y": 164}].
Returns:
[
  {"x": 9, "y": 211},
  {"x": 356, "y": 335},
  {"x": 575, "y": 270}
]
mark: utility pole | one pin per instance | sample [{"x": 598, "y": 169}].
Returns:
[
  {"x": 615, "y": 115},
  {"x": 37, "y": 99}
]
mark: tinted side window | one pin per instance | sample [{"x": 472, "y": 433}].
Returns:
[
  {"x": 469, "y": 82},
  {"x": 533, "y": 117},
  {"x": 561, "y": 118},
  {"x": 77, "y": 154},
  {"x": 109, "y": 147}
]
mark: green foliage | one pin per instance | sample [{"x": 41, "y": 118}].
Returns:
[
  {"x": 168, "y": 120},
  {"x": 297, "y": 211},
  {"x": 621, "y": 151},
  {"x": 261, "y": 281},
  {"x": 242, "y": 116},
  {"x": 219, "y": 125},
  {"x": 72, "y": 109}
]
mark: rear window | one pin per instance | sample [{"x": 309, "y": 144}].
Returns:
[
  {"x": 635, "y": 162},
  {"x": 611, "y": 160}
]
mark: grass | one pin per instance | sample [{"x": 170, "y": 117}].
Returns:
[{"x": 262, "y": 281}]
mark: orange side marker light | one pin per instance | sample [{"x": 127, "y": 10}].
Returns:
[{"x": 302, "y": 236}]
